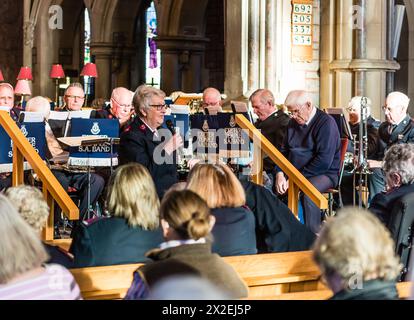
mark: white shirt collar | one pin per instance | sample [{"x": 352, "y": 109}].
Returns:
[
  {"x": 312, "y": 115},
  {"x": 176, "y": 243},
  {"x": 154, "y": 131}
]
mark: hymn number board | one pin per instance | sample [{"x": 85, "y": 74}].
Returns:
[{"x": 302, "y": 30}]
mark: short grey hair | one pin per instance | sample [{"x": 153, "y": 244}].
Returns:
[
  {"x": 39, "y": 104},
  {"x": 21, "y": 248},
  {"x": 298, "y": 98},
  {"x": 265, "y": 95},
  {"x": 31, "y": 205},
  {"x": 356, "y": 102},
  {"x": 74, "y": 85},
  {"x": 142, "y": 98},
  {"x": 399, "y": 158}
]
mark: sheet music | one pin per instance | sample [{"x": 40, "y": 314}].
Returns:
[
  {"x": 180, "y": 109},
  {"x": 32, "y": 116},
  {"x": 58, "y": 115},
  {"x": 63, "y": 115}
]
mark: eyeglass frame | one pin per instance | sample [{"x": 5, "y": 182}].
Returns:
[
  {"x": 69, "y": 96},
  {"x": 124, "y": 106},
  {"x": 159, "y": 107},
  {"x": 295, "y": 113}
]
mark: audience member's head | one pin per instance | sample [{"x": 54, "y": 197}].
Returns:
[
  {"x": 396, "y": 106},
  {"x": 212, "y": 101},
  {"x": 149, "y": 105},
  {"x": 121, "y": 103},
  {"x": 217, "y": 185},
  {"x": 6, "y": 95},
  {"x": 188, "y": 287},
  {"x": 98, "y": 104},
  {"x": 21, "y": 248},
  {"x": 398, "y": 165},
  {"x": 132, "y": 196},
  {"x": 263, "y": 103},
  {"x": 39, "y": 104},
  {"x": 185, "y": 215},
  {"x": 299, "y": 106},
  {"x": 354, "y": 109},
  {"x": 30, "y": 204},
  {"x": 74, "y": 96},
  {"x": 355, "y": 247}
]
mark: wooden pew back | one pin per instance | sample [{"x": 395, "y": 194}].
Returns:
[{"x": 265, "y": 274}]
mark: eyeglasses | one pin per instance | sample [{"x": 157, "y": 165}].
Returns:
[
  {"x": 123, "y": 106},
  {"x": 75, "y": 97},
  {"x": 213, "y": 104},
  {"x": 159, "y": 107},
  {"x": 294, "y": 113}
]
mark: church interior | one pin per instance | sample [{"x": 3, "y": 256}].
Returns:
[{"x": 314, "y": 65}]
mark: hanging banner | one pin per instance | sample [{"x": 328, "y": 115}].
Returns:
[{"x": 302, "y": 30}]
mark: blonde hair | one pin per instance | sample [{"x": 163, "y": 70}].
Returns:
[
  {"x": 217, "y": 185},
  {"x": 187, "y": 213},
  {"x": 30, "y": 204},
  {"x": 21, "y": 249},
  {"x": 356, "y": 243},
  {"x": 132, "y": 195}
]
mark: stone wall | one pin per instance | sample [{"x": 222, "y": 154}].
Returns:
[{"x": 11, "y": 39}]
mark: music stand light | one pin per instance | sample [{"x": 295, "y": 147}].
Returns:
[
  {"x": 89, "y": 70},
  {"x": 57, "y": 73},
  {"x": 22, "y": 89}
]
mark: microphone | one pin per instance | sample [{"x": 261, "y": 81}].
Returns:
[{"x": 170, "y": 126}]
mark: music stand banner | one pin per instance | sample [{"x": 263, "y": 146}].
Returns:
[
  {"x": 220, "y": 135},
  {"x": 94, "y": 155},
  {"x": 34, "y": 133}
]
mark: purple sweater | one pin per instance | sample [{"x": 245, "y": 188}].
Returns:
[{"x": 314, "y": 149}]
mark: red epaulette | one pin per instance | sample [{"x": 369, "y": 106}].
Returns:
[
  {"x": 127, "y": 129},
  {"x": 93, "y": 220}
]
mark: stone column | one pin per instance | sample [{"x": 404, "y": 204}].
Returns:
[
  {"x": 28, "y": 34},
  {"x": 270, "y": 72},
  {"x": 102, "y": 51},
  {"x": 253, "y": 46},
  {"x": 359, "y": 40}
]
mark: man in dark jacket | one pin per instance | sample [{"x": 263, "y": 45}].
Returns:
[
  {"x": 397, "y": 129},
  {"x": 312, "y": 145},
  {"x": 272, "y": 123}
]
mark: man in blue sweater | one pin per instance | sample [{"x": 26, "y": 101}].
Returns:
[{"x": 312, "y": 145}]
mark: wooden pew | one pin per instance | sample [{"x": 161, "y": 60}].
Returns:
[
  {"x": 265, "y": 274},
  {"x": 404, "y": 292}
]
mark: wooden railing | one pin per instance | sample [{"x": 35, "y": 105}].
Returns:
[
  {"x": 297, "y": 182},
  {"x": 52, "y": 189}
]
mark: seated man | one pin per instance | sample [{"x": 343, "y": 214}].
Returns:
[
  {"x": 312, "y": 145},
  {"x": 354, "y": 112},
  {"x": 59, "y": 157},
  {"x": 398, "y": 128},
  {"x": 271, "y": 122},
  {"x": 212, "y": 101},
  {"x": 399, "y": 172},
  {"x": 120, "y": 108}
]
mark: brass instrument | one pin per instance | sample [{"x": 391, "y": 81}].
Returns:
[{"x": 360, "y": 157}]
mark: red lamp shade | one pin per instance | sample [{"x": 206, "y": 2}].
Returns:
[
  {"x": 22, "y": 88},
  {"x": 1, "y": 76},
  {"x": 57, "y": 72},
  {"x": 25, "y": 74},
  {"x": 89, "y": 70}
]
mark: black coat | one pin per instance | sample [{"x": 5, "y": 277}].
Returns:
[
  {"x": 234, "y": 232},
  {"x": 373, "y": 139},
  {"x": 371, "y": 290},
  {"x": 109, "y": 241},
  {"x": 276, "y": 226},
  {"x": 58, "y": 256},
  {"x": 383, "y": 203},
  {"x": 274, "y": 128},
  {"x": 138, "y": 145},
  {"x": 403, "y": 133}
]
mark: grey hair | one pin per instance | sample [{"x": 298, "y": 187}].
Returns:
[
  {"x": 143, "y": 96},
  {"x": 21, "y": 248},
  {"x": 298, "y": 98},
  {"x": 399, "y": 158},
  {"x": 265, "y": 95},
  {"x": 356, "y": 103},
  {"x": 74, "y": 85}
]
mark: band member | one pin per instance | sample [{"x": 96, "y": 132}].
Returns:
[
  {"x": 120, "y": 108},
  {"x": 143, "y": 142},
  {"x": 74, "y": 97},
  {"x": 212, "y": 101},
  {"x": 58, "y": 156},
  {"x": 312, "y": 145},
  {"x": 7, "y": 100},
  {"x": 396, "y": 129},
  {"x": 271, "y": 122}
]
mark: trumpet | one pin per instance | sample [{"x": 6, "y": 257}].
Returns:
[{"x": 360, "y": 156}]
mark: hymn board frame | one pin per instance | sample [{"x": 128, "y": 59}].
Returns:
[{"x": 302, "y": 30}]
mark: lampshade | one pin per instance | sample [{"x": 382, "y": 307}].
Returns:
[
  {"x": 57, "y": 72},
  {"x": 1, "y": 76},
  {"x": 22, "y": 88},
  {"x": 25, "y": 74},
  {"x": 90, "y": 70}
]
